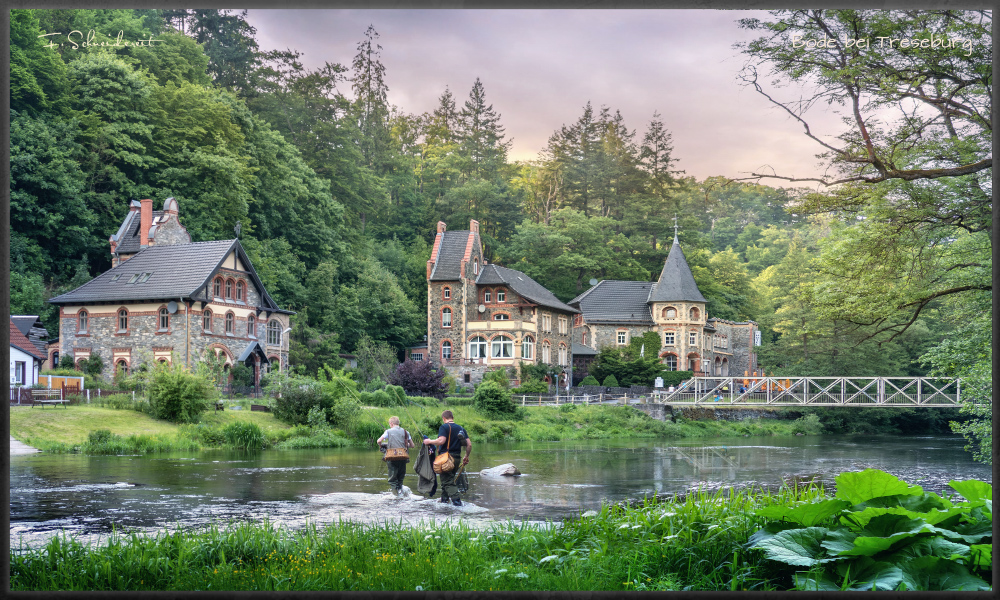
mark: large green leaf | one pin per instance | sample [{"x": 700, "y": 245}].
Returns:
[
  {"x": 768, "y": 531},
  {"x": 934, "y": 573},
  {"x": 918, "y": 503},
  {"x": 927, "y": 546},
  {"x": 861, "y": 486},
  {"x": 839, "y": 540},
  {"x": 811, "y": 582},
  {"x": 806, "y": 514},
  {"x": 968, "y": 532},
  {"x": 934, "y": 516},
  {"x": 974, "y": 491},
  {"x": 982, "y": 555},
  {"x": 798, "y": 547},
  {"x": 866, "y": 574}
]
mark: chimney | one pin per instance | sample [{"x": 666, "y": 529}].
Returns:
[
  {"x": 440, "y": 226},
  {"x": 145, "y": 221},
  {"x": 474, "y": 226}
]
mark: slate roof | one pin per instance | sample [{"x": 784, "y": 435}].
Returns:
[
  {"x": 448, "y": 266},
  {"x": 179, "y": 271},
  {"x": 22, "y": 343},
  {"x": 676, "y": 283},
  {"x": 522, "y": 284},
  {"x": 128, "y": 234},
  {"x": 581, "y": 350},
  {"x": 612, "y": 301},
  {"x": 252, "y": 347},
  {"x": 32, "y": 328}
]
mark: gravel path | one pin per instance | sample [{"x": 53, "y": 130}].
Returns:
[{"x": 17, "y": 447}]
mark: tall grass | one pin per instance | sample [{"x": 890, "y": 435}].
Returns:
[
  {"x": 102, "y": 441},
  {"x": 693, "y": 543}
]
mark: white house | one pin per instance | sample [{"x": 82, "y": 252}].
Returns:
[{"x": 25, "y": 360}]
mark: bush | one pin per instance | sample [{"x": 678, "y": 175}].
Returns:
[
  {"x": 245, "y": 435},
  {"x": 242, "y": 375},
  {"x": 499, "y": 377},
  {"x": 178, "y": 396},
  {"x": 590, "y": 380},
  {"x": 532, "y": 386},
  {"x": 420, "y": 378},
  {"x": 808, "y": 425},
  {"x": 674, "y": 378},
  {"x": 610, "y": 381},
  {"x": 294, "y": 402},
  {"x": 493, "y": 400}
]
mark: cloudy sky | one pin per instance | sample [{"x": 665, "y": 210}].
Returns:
[{"x": 540, "y": 67}]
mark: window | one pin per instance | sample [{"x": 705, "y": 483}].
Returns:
[
  {"x": 583, "y": 338},
  {"x": 145, "y": 277},
  {"x": 446, "y": 317},
  {"x": 239, "y": 291},
  {"x": 116, "y": 277},
  {"x": 164, "y": 319},
  {"x": 693, "y": 363},
  {"x": 669, "y": 312},
  {"x": 501, "y": 296},
  {"x": 501, "y": 317},
  {"x": 475, "y": 267},
  {"x": 622, "y": 338},
  {"x": 122, "y": 366},
  {"x": 416, "y": 356},
  {"x": 206, "y": 320},
  {"x": 562, "y": 355},
  {"x": 230, "y": 323},
  {"x": 692, "y": 339},
  {"x": 487, "y": 295},
  {"x": 217, "y": 287},
  {"x": 694, "y": 314},
  {"x": 83, "y": 317},
  {"x": 668, "y": 338},
  {"x": 562, "y": 325},
  {"x": 251, "y": 326},
  {"x": 122, "y": 320},
  {"x": 229, "y": 288},
  {"x": 19, "y": 371},
  {"x": 274, "y": 333},
  {"x": 546, "y": 322},
  {"x": 467, "y": 377},
  {"x": 447, "y": 293},
  {"x": 477, "y": 347},
  {"x": 503, "y": 347},
  {"x": 546, "y": 353},
  {"x": 528, "y": 348},
  {"x": 671, "y": 362},
  {"x": 134, "y": 278},
  {"x": 446, "y": 350}
]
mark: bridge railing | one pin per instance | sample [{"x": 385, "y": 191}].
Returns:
[{"x": 819, "y": 391}]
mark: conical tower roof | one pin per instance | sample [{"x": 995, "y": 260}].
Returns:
[{"x": 676, "y": 283}]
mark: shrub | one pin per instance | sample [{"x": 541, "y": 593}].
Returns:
[
  {"x": 610, "y": 381},
  {"x": 808, "y": 425},
  {"x": 499, "y": 377},
  {"x": 244, "y": 435},
  {"x": 674, "y": 378},
  {"x": 420, "y": 378},
  {"x": 317, "y": 418},
  {"x": 493, "y": 400},
  {"x": 93, "y": 366},
  {"x": 294, "y": 402},
  {"x": 178, "y": 396},
  {"x": 590, "y": 380},
  {"x": 242, "y": 375},
  {"x": 532, "y": 386}
]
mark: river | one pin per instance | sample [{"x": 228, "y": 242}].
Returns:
[{"x": 89, "y": 496}]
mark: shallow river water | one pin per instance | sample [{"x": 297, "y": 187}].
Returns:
[{"x": 89, "y": 496}]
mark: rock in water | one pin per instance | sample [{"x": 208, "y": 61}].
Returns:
[{"x": 508, "y": 470}]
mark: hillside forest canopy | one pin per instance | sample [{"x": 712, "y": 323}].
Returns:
[{"x": 883, "y": 268}]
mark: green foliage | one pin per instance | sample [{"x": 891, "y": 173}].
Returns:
[
  {"x": 178, "y": 396},
  {"x": 241, "y": 374},
  {"x": 531, "y": 386},
  {"x": 610, "y": 381},
  {"x": 590, "y": 380},
  {"x": 493, "y": 400},
  {"x": 244, "y": 435},
  {"x": 879, "y": 533},
  {"x": 499, "y": 377},
  {"x": 674, "y": 378},
  {"x": 94, "y": 365}
]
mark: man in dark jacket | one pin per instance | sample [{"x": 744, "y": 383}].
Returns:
[{"x": 455, "y": 437}]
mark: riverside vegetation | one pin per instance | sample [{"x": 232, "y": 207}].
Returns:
[{"x": 880, "y": 534}]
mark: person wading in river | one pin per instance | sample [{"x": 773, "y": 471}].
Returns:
[
  {"x": 397, "y": 441},
  {"x": 456, "y": 437}
]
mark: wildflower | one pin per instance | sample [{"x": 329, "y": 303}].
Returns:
[
  {"x": 548, "y": 558},
  {"x": 500, "y": 571},
  {"x": 521, "y": 575}
]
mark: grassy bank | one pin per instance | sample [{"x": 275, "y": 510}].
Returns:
[{"x": 694, "y": 544}]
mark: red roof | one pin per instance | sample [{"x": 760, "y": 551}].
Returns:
[{"x": 19, "y": 341}]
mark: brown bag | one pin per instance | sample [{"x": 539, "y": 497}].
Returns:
[
  {"x": 398, "y": 453},
  {"x": 444, "y": 463}
]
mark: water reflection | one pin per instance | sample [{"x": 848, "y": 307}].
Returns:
[{"x": 88, "y": 496}]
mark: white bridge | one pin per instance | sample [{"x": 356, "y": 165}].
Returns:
[{"x": 901, "y": 392}]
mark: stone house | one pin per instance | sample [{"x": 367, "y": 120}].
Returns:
[
  {"x": 167, "y": 299},
  {"x": 612, "y": 312},
  {"x": 482, "y": 316}
]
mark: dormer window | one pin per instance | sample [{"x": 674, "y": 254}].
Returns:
[
  {"x": 669, "y": 313},
  {"x": 145, "y": 277},
  {"x": 229, "y": 289},
  {"x": 134, "y": 278},
  {"x": 116, "y": 277}
]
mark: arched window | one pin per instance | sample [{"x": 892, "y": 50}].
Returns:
[
  {"x": 239, "y": 291},
  {"x": 546, "y": 352},
  {"x": 669, "y": 312},
  {"x": 121, "y": 366},
  {"x": 671, "y": 362},
  {"x": 694, "y": 314},
  {"x": 446, "y": 293},
  {"x": 725, "y": 367},
  {"x": 217, "y": 287},
  {"x": 583, "y": 338},
  {"x": 446, "y": 317},
  {"x": 446, "y": 350},
  {"x": 274, "y": 333},
  {"x": 122, "y": 320},
  {"x": 206, "y": 320},
  {"x": 503, "y": 347},
  {"x": 83, "y": 317},
  {"x": 164, "y": 319},
  {"x": 528, "y": 347},
  {"x": 229, "y": 289},
  {"x": 477, "y": 347},
  {"x": 501, "y": 317},
  {"x": 251, "y": 326},
  {"x": 563, "y": 359},
  {"x": 230, "y": 323}
]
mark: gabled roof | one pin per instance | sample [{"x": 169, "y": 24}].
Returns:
[
  {"x": 581, "y": 350},
  {"x": 612, "y": 301},
  {"x": 175, "y": 272},
  {"x": 676, "y": 283},
  {"x": 252, "y": 347},
  {"x": 128, "y": 234},
  {"x": 448, "y": 265},
  {"x": 33, "y": 329},
  {"x": 522, "y": 284},
  {"x": 22, "y": 343}
]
